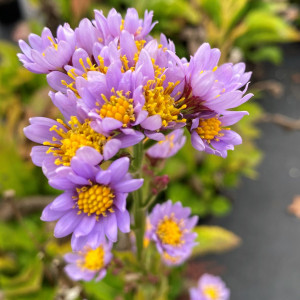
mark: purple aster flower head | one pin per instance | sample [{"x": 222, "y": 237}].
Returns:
[
  {"x": 61, "y": 139},
  {"x": 171, "y": 230},
  {"x": 88, "y": 263},
  {"x": 210, "y": 134},
  {"x": 210, "y": 87},
  {"x": 47, "y": 53},
  {"x": 112, "y": 26},
  {"x": 210, "y": 288},
  {"x": 93, "y": 204},
  {"x": 173, "y": 142}
]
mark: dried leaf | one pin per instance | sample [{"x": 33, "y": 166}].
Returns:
[{"x": 294, "y": 208}]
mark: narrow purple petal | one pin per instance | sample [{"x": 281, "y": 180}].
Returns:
[
  {"x": 67, "y": 224},
  {"x": 128, "y": 186}
]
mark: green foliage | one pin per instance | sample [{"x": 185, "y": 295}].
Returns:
[{"x": 21, "y": 94}]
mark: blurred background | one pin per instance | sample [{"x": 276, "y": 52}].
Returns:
[{"x": 251, "y": 197}]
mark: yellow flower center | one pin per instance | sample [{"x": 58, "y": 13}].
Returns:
[
  {"x": 211, "y": 292},
  {"x": 118, "y": 107},
  {"x": 209, "y": 129},
  {"x": 76, "y": 136},
  {"x": 93, "y": 259},
  {"x": 158, "y": 100},
  {"x": 96, "y": 199},
  {"x": 169, "y": 231}
]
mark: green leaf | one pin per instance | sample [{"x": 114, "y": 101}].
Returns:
[
  {"x": 27, "y": 282},
  {"x": 272, "y": 54},
  {"x": 214, "y": 239},
  {"x": 220, "y": 206}
]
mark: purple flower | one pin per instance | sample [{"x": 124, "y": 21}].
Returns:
[
  {"x": 47, "y": 53},
  {"x": 209, "y": 133},
  {"x": 170, "y": 146},
  {"x": 93, "y": 204},
  {"x": 171, "y": 230},
  {"x": 210, "y": 288},
  {"x": 112, "y": 26},
  {"x": 61, "y": 139},
  {"x": 210, "y": 87},
  {"x": 88, "y": 263}
]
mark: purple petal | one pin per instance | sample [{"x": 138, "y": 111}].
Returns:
[
  {"x": 38, "y": 154},
  {"x": 86, "y": 226},
  {"x": 103, "y": 177},
  {"x": 123, "y": 219},
  {"x": 152, "y": 123},
  {"x": 128, "y": 186},
  {"x": 67, "y": 224},
  {"x": 197, "y": 142},
  {"x": 110, "y": 227},
  {"x": 111, "y": 148},
  {"x": 49, "y": 215},
  {"x": 63, "y": 202},
  {"x": 110, "y": 124},
  {"x": 89, "y": 155},
  {"x": 119, "y": 168}
]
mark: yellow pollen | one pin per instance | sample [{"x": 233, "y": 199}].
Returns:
[
  {"x": 53, "y": 43},
  {"x": 91, "y": 67},
  {"x": 209, "y": 129},
  {"x": 139, "y": 45},
  {"x": 72, "y": 137},
  {"x": 118, "y": 107},
  {"x": 158, "y": 100},
  {"x": 169, "y": 139},
  {"x": 172, "y": 259},
  {"x": 93, "y": 259},
  {"x": 211, "y": 292},
  {"x": 97, "y": 199},
  {"x": 122, "y": 25},
  {"x": 169, "y": 231}
]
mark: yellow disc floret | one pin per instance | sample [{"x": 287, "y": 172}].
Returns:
[
  {"x": 158, "y": 99},
  {"x": 169, "y": 231},
  {"x": 93, "y": 259},
  {"x": 211, "y": 292},
  {"x": 96, "y": 199},
  {"x": 209, "y": 129},
  {"x": 118, "y": 107},
  {"x": 72, "y": 137}
]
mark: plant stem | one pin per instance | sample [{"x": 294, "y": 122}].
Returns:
[{"x": 139, "y": 212}]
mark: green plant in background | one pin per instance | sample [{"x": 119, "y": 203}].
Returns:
[
  {"x": 21, "y": 95},
  {"x": 31, "y": 268}
]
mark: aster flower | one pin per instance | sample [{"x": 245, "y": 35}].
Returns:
[
  {"x": 173, "y": 142},
  {"x": 88, "y": 263},
  {"x": 112, "y": 26},
  {"x": 210, "y": 288},
  {"x": 47, "y": 53},
  {"x": 210, "y": 134},
  {"x": 171, "y": 230},
  {"x": 210, "y": 87},
  {"x": 93, "y": 204},
  {"x": 61, "y": 139}
]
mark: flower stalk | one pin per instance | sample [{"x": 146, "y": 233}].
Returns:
[{"x": 139, "y": 211}]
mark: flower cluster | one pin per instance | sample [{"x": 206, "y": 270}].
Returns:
[{"x": 116, "y": 87}]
